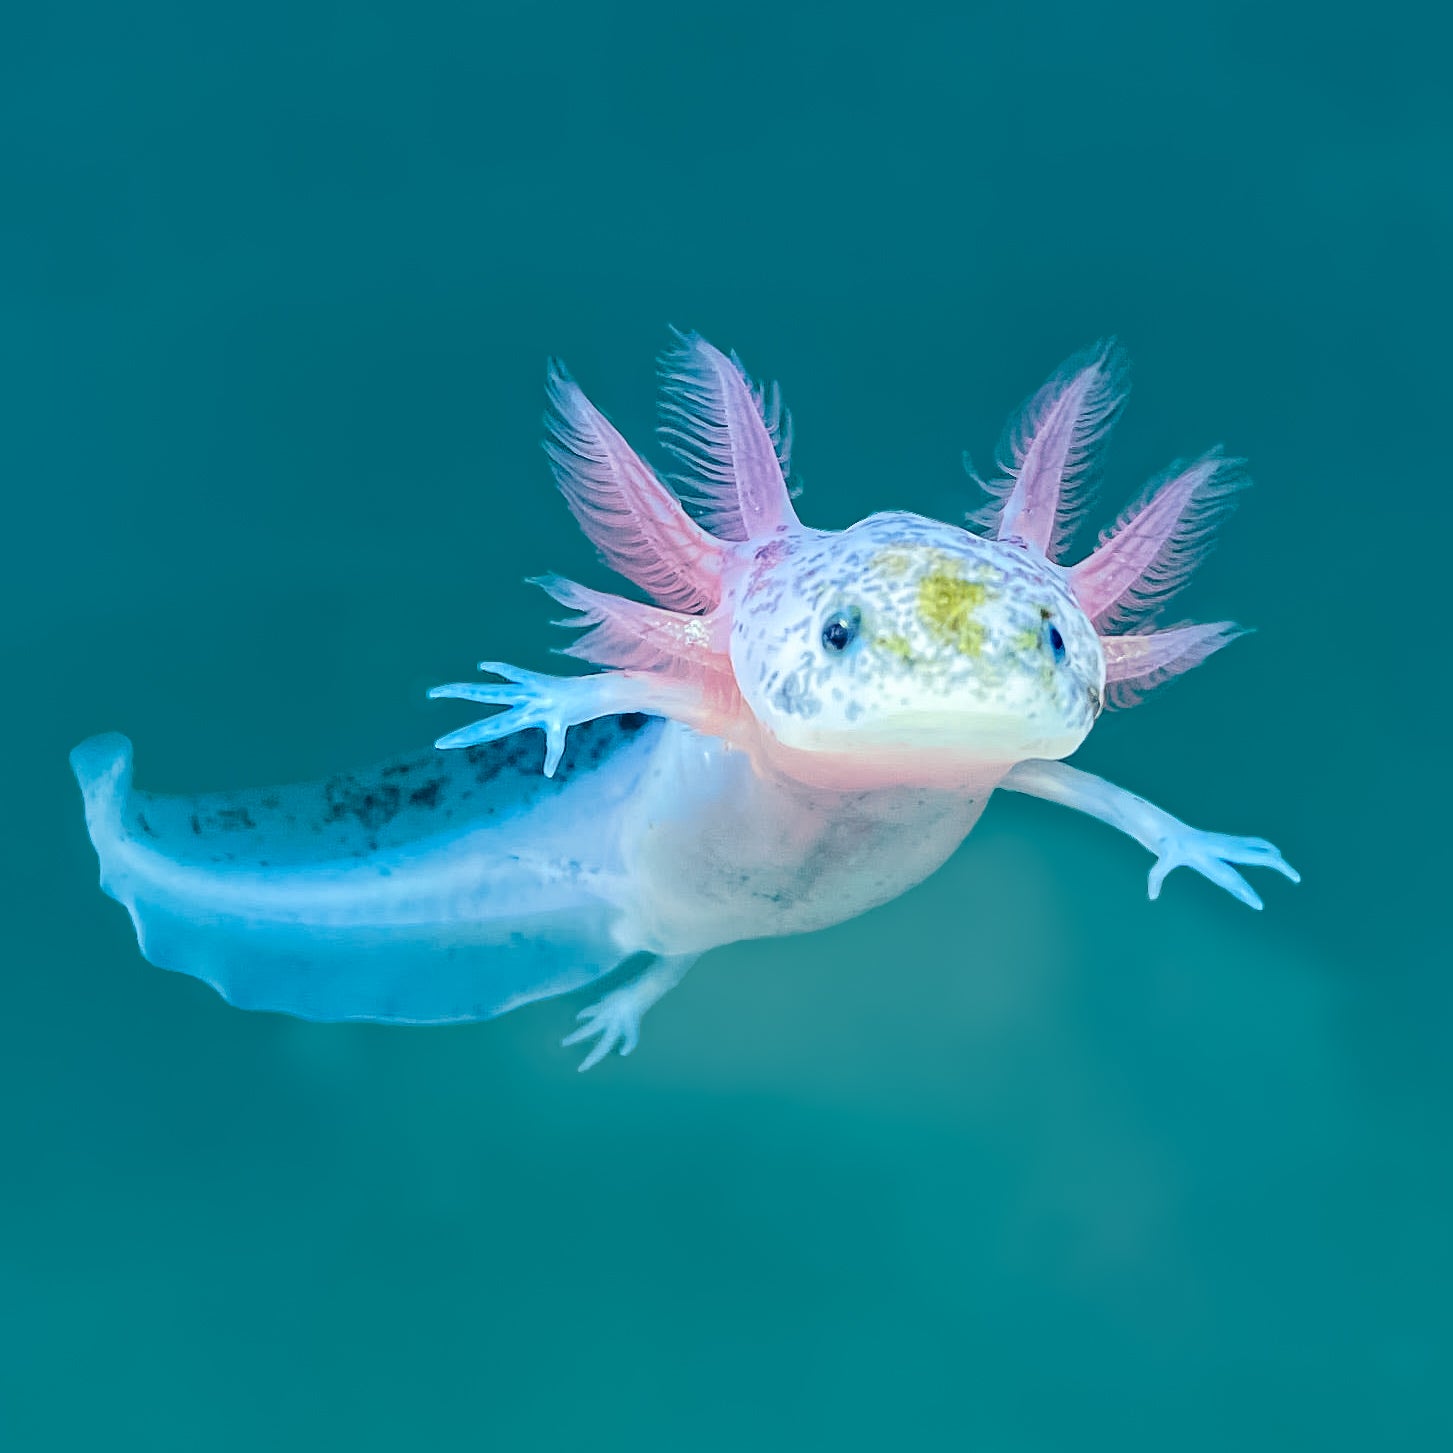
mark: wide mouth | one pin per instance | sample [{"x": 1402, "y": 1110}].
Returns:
[
  {"x": 948, "y": 749},
  {"x": 988, "y": 734}
]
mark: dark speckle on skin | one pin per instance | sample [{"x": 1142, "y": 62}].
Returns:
[
  {"x": 382, "y": 807},
  {"x": 427, "y": 795},
  {"x": 793, "y": 698},
  {"x": 493, "y": 758},
  {"x": 144, "y": 825},
  {"x": 371, "y": 806}
]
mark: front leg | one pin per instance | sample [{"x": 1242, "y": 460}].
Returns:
[
  {"x": 557, "y": 703},
  {"x": 1174, "y": 844}
]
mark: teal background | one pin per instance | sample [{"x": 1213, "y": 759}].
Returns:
[{"x": 1021, "y": 1161}]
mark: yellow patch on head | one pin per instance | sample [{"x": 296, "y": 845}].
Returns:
[
  {"x": 947, "y": 603},
  {"x": 893, "y": 563},
  {"x": 895, "y": 645}
]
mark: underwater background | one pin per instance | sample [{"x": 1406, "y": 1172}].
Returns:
[{"x": 1020, "y": 1161}]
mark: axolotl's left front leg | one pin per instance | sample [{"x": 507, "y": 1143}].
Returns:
[{"x": 1174, "y": 844}]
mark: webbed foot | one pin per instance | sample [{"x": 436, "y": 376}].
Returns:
[
  {"x": 1211, "y": 854},
  {"x": 552, "y": 703}
]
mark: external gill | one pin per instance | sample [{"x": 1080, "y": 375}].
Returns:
[
  {"x": 670, "y": 658},
  {"x": 1052, "y": 455}
]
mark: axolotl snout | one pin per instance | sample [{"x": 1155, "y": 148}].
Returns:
[{"x": 801, "y": 725}]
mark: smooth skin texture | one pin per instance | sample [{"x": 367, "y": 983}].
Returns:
[{"x": 802, "y": 725}]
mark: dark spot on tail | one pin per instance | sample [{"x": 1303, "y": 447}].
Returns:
[
  {"x": 427, "y": 795},
  {"x": 491, "y": 758},
  {"x": 372, "y": 807},
  {"x": 231, "y": 819}
]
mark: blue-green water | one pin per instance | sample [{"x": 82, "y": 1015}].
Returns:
[{"x": 1021, "y": 1161}]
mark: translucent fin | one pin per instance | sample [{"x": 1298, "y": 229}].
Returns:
[
  {"x": 1051, "y": 452},
  {"x": 1136, "y": 665},
  {"x": 433, "y": 888},
  {"x": 636, "y": 523},
  {"x": 732, "y": 437},
  {"x": 1157, "y": 542}
]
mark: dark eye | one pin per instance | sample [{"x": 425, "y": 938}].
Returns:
[
  {"x": 1056, "y": 641},
  {"x": 841, "y": 630}
]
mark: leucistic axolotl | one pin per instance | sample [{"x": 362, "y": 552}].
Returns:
[{"x": 801, "y": 726}]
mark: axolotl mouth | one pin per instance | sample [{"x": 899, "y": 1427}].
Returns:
[{"x": 944, "y": 750}]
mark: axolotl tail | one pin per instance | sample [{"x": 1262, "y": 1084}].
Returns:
[{"x": 440, "y": 887}]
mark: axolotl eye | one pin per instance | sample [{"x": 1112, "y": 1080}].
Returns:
[
  {"x": 1054, "y": 641},
  {"x": 841, "y": 630}
]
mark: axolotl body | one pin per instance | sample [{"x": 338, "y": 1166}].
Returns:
[{"x": 801, "y": 726}]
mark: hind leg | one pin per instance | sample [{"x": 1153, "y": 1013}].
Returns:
[{"x": 617, "y": 1017}]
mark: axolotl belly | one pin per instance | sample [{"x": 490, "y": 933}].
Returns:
[{"x": 803, "y": 725}]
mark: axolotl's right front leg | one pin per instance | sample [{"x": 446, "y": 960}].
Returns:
[
  {"x": 557, "y": 703},
  {"x": 1174, "y": 844}
]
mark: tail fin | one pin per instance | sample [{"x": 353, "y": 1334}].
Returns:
[
  {"x": 103, "y": 768},
  {"x": 102, "y": 765},
  {"x": 442, "y": 887}
]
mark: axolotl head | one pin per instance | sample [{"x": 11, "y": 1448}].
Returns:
[
  {"x": 906, "y": 649},
  {"x": 901, "y": 651}
]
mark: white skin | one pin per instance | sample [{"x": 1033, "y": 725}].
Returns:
[
  {"x": 868, "y": 687},
  {"x": 838, "y": 708}
]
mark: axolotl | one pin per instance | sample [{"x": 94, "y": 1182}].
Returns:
[{"x": 800, "y": 726}]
